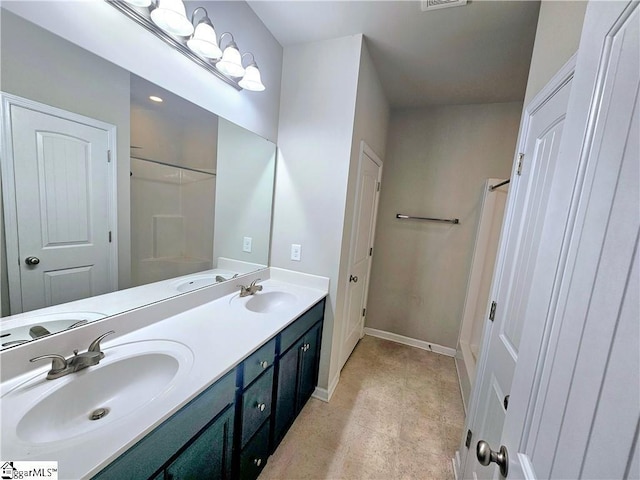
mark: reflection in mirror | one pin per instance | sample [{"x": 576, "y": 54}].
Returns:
[{"x": 182, "y": 200}]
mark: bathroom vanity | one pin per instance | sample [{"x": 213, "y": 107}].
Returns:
[{"x": 205, "y": 393}]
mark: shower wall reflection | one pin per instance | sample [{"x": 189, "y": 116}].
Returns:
[{"x": 173, "y": 188}]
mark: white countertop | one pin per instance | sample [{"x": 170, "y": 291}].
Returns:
[{"x": 220, "y": 334}]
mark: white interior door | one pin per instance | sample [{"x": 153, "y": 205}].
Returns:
[
  {"x": 574, "y": 410},
  {"x": 360, "y": 251},
  {"x": 59, "y": 209},
  {"x": 577, "y": 394},
  {"x": 541, "y": 130}
]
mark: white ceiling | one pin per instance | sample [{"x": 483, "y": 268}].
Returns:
[{"x": 478, "y": 53}]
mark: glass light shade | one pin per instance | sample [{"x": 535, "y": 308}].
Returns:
[
  {"x": 251, "y": 79},
  {"x": 204, "y": 41},
  {"x": 171, "y": 16},
  {"x": 139, "y": 3},
  {"x": 231, "y": 63}
]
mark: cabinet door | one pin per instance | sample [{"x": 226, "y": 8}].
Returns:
[
  {"x": 286, "y": 394},
  {"x": 308, "y": 375},
  {"x": 209, "y": 456}
]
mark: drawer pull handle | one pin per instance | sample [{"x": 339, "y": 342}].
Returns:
[
  {"x": 257, "y": 462},
  {"x": 264, "y": 364},
  {"x": 305, "y": 347},
  {"x": 260, "y": 406}
]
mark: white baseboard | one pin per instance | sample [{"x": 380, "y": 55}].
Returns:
[
  {"x": 456, "y": 465},
  {"x": 412, "y": 342},
  {"x": 326, "y": 394}
]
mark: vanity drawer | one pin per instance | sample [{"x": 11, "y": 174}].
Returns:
[
  {"x": 258, "y": 362},
  {"x": 256, "y": 405},
  {"x": 151, "y": 453},
  {"x": 254, "y": 456},
  {"x": 294, "y": 331}
]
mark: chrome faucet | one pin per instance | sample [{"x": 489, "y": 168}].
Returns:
[
  {"x": 61, "y": 366},
  {"x": 251, "y": 289},
  {"x": 220, "y": 278}
]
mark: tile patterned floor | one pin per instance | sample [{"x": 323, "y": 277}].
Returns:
[{"x": 396, "y": 414}]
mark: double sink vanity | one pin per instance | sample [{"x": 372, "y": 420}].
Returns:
[{"x": 202, "y": 385}]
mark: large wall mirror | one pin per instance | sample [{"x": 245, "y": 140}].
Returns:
[{"x": 116, "y": 193}]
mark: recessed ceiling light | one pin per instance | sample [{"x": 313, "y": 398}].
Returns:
[{"x": 155, "y": 99}]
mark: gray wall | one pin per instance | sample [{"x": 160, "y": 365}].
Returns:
[
  {"x": 323, "y": 118},
  {"x": 557, "y": 38},
  {"x": 43, "y": 67},
  {"x": 315, "y": 132},
  {"x": 436, "y": 164},
  {"x": 370, "y": 125}
]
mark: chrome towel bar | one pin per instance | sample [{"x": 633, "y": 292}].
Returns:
[
  {"x": 493, "y": 187},
  {"x": 445, "y": 220}
]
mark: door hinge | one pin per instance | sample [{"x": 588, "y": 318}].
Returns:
[
  {"x": 492, "y": 312},
  {"x": 371, "y": 251},
  {"x": 108, "y": 156},
  {"x": 378, "y": 187},
  {"x": 467, "y": 442},
  {"x": 364, "y": 311},
  {"x": 520, "y": 162},
  {"x": 109, "y": 236}
]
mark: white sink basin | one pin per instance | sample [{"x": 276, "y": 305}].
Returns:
[
  {"x": 268, "y": 302},
  {"x": 130, "y": 377},
  {"x": 195, "y": 282}
]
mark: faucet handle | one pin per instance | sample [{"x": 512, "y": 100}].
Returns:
[
  {"x": 58, "y": 362},
  {"x": 253, "y": 284},
  {"x": 95, "y": 345}
]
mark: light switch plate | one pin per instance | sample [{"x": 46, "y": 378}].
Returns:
[
  {"x": 246, "y": 244},
  {"x": 296, "y": 251}
]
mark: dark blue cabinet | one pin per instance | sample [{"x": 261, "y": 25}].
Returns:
[
  {"x": 297, "y": 372},
  {"x": 209, "y": 455}
]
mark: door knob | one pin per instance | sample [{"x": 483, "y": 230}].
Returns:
[
  {"x": 32, "y": 260},
  {"x": 353, "y": 279},
  {"x": 486, "y": 456}
]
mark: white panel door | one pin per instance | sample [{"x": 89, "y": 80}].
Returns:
[
  {"x": 574, "y": 410},
  {"x": 364, "y": 224},
  {"x": 517, "y": 259},
  {"x": 577, "y": 395},
  {"x": 62, "y": 195}
]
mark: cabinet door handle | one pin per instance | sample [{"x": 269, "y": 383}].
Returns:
[
  {"x": 260, "y": 406},
  {"x": 257, "y": 462},
  {"x": 264, "y": 364}
]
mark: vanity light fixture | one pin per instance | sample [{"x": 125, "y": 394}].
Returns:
[
  {"x": 171, "y": 16},
  {"x": 231, "y": 62},
  {"x": 139, "y": 3},
  {"x": 251, "y": 80},
  {"x": 204, "y": 42},
  {"x": 197, "y": 40}
]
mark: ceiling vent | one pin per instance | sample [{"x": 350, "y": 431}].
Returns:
[{"x": 427, "y": 5}]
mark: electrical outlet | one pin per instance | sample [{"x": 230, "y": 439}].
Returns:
[
  {"x": 246, "y": 244},
  {"x": 296, "y": 251}
]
